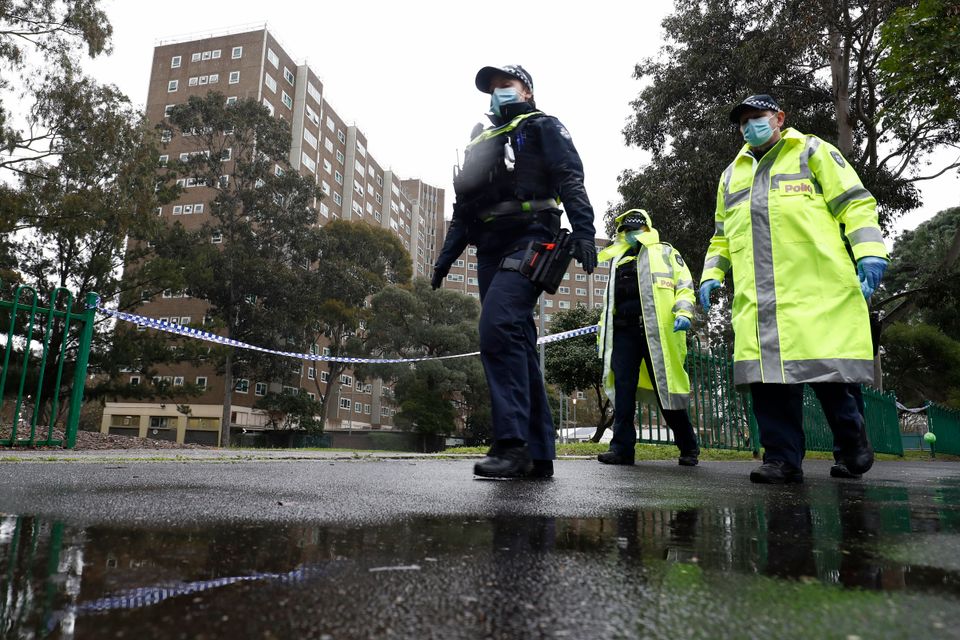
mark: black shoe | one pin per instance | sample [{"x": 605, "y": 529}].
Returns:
[
  {"x": 612, "y": 457},
  {"x": 507, "y": 463},
  {"x": 689, "y": 460},
  {"x": 541, "y": 469},
  {"x": 776, "y": 472},
  {"x": 839, "y": 470},
  {"x": 858, "y": 459}
]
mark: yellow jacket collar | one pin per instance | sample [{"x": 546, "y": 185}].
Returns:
[{"x": 619, "y": 246}]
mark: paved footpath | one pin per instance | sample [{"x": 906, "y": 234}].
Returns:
[{"x": 279, "y": 544}]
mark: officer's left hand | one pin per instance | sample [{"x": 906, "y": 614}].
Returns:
[
  {"x": 870, "y": 269},
  {"x": 585, "y": 251},
  {"x": 682, "y": 323}
]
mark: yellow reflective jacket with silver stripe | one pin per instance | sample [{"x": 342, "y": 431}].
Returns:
[
  {"x": 798, "y": 313},
  {"x": 666, "y": 291}
]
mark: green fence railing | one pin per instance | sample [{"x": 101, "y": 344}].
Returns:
[
  {"x": 39, "y": 344},
  {"x": 945, "y": 424},
  {"x": 723, "y": 417}
]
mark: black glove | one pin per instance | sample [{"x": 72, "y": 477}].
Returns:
[
  {"x": 440, "y": 272},
  {"x": 586, "y": 253}
]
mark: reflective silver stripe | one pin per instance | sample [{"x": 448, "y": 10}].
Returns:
[
  {"x": 838, "y": 204},
  {"x": 717, "y": 262},
  {"x": 746, "y": 371},
  {"x": 731, "y": 200},
  {"x": 809, "y": 149},
  {"x": 667, "y": 254},
  {"x": 662, "y": 274},
  {"x": 829, "y": 370},
  {"x": 648, "y": 307},
  {"x": 682, "y": 305},
  {"x": 867, "y": 234},
  {"x": 718, "y": 229},
  {"x": 768, "y": 332},
  {"x": 685, "y": 284}
]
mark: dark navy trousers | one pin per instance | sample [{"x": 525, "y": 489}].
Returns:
[
  {"x": 508, "y": 350},
  {"x": 778, "y": 409},
  {"x": 630, "y": 352}
]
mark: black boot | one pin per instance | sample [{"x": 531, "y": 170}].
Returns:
[
  {"x": 612, "y": 457},
  {"x": 541, "y": 469},
  {"x": 512, "y": 462},
  {"x": 690, "y": 459},
  {"x": 776, "y": 472},
  {"x": 859, "y": 458},
  {"x": 839, "y": 470}
]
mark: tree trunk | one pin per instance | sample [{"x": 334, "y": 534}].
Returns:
[
  {"x": 840, "y": 79},
  {"x": 227, "y": 400}
]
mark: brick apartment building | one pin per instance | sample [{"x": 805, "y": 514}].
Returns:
[{"x": 253, "y": 64}]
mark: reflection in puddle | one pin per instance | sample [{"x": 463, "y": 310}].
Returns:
[{"x": 493, "y": 576}]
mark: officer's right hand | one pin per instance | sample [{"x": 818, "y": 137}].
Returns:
[
  {"x": 585, "y": 251},
  {"x": 705, "y": 288},
  {"x": 440, "y": 272}
]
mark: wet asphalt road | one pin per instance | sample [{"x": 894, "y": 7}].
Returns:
[{"x": 417, "y": 548}]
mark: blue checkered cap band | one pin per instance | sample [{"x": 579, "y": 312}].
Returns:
[
  {"x": 485, "y": 75},
  {"x": 760, "y": 101}
]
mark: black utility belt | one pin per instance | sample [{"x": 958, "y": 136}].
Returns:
[
  {"x": 544, "y": 263},
  {"x": 516, "y": 208}
]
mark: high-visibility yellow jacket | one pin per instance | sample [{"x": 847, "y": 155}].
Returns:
[
  {"x": 798, "y": 313},
  {"x": 666, "y": 291}
]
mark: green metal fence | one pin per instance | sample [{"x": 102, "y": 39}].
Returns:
[
  {"x": 723, "y": 416},
  {"x": 40, "y": 342},
  {"x": 945, "y": 424}
]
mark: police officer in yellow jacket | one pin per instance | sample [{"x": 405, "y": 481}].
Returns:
[
  {"x": 800, "y": 315},
  {"x": 647, "y": 309}
]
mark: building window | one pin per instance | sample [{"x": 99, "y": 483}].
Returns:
[
  {"x": 159, "y": 422},
  {"x": 366, "y": 409},
  {"x": 236, "y": 53},
  {"x": 340, "y": 136},
  {"x": 226, "y": 154},
  {"x": 288, "y": 75},
  {"x": 215, "y": 54},
  {"x": 311, "y": 373},
  {"x": 345, "y": 379},
  {"x": 231, "y": 100},
  {"x": 243, "y": 386},
  {"x": 134, "y": 381},
  {"x": 273, "y": 58},
  {"x": 216, "y": 238},
  {"x": 338, "y": 177},
  {"x": 563, "y": 304},
  {"x": 601, "y": 277},
  {"x": 598, "y": 292},
  {"x": 172, "y": 86},
  {"x": 357, "y": 407},
  {"x": 202, "y": 382},
  {"x": 175, "y": 62},
  {"x": 234, "y": 77},
  {"x": 287, "y": 100},
  {"x": 308, "y": 161},
  {"x": 206, "y": 55},
  {"x": 269, "y": 106},
  {"x": 337, "y": 198},
  {"x": 345, "y": 403},
  {"x": 324, "y": 376},
  {"x": 339, "y": 156},
  {"x": 563, "y": 290},
  {"x": 581, "y": 277},
  {"x": 581, "y": 292},
  {"x": 195, "y": 57},
  {"x": 270, "y": 82}
]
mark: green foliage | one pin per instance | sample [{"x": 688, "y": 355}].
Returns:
[
  {"x": 353, "y": 261},
  {"x": 39, "y": 44},
  {"x": 287, "y": 411},
  {"x": 922, "y": 364},
  {"x": 256, "y": 278},
  {"x": 922, "y": 66},
  {"x": 917, "y": 264},
  {"x": 574, "y": 365},
  {"x": 417, "y": 321}
]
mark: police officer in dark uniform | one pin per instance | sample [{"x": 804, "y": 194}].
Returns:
[{"x": 508, "y": 192}]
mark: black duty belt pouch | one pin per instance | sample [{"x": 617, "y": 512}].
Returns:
[{"x": 544, "y": 263}]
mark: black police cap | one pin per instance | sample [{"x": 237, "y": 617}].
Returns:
[
  {"x": 762, "y": 101},
  {"x": 485, "y": 75}
]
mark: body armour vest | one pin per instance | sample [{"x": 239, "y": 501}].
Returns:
[{"x": 501, "y": 164}]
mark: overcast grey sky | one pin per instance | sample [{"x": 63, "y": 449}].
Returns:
[{"x": 403, "y": 70}]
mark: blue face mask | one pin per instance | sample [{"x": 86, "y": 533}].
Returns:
[
  {"x": 757, "y": 132},
  {"x": 500, "y": 97}
]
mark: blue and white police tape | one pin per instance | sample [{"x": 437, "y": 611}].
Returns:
[{"x": 179, "y": 329}]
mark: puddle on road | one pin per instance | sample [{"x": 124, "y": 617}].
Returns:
[{"x": 826, "y": 556}]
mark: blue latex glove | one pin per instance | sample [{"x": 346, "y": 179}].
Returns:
[
  {"x": 681, "y": 324},
  {"x": 870, "y": 269},
  {"x": 705, "y": 289}
]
